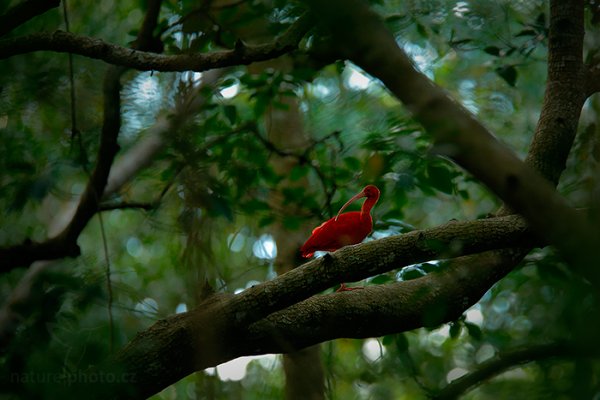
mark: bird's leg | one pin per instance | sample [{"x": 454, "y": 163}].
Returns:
[{"x": 344, "y": 288}]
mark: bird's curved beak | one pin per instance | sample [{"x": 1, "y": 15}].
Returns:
[{"x": 354, "y": 198}]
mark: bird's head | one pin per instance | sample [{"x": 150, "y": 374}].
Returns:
[{"x": 370, "y": 192}]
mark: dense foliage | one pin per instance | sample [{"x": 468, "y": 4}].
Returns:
[{"x": 201, "y": 212}]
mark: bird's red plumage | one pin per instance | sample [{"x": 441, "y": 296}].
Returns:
[
  {"x": 331, "y": 235},
  {"x": 345, "y": 229}
]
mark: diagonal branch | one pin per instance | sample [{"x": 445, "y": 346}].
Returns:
[
  {"x": 353, "y": 263},
  {"x": 229, "y": 326},
  {"x": 511, "y": 359},
  {"x": 379, "y": 310},
  {"x": 65, "y": 42},
  {"x": 23, "y": 12},
  {"x": 362, "y": 37},
  {"x": 65, "y": 243}
]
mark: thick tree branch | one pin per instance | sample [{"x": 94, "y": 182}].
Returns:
[
  {"x": 510, "y": 359},
  {"x": 354, "y": 263},
  {"x": 65, "y": 42},
  {"x": 228, "y": 327},
  {"x": 23, "y": 12},
  {"x": 565, "y": 91},
  {"x": 361, "y": 36},
  {"x": 383, "y": 309},
  {"x": 192, "y": 341}
]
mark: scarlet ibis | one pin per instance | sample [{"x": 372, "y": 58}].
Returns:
[{"x": 344, "y": 229}]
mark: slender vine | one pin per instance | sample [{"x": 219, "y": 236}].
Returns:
[{"x": 76, "y": 135}]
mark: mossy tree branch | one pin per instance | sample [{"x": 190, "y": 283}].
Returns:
[
  {"x": 281, "y": 316},
  {"x": 242, "y": 54}
]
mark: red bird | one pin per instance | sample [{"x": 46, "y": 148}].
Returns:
[{"x": 345, "y": 229}]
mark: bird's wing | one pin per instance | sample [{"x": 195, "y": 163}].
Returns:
[{"x": 333, "y": 234}]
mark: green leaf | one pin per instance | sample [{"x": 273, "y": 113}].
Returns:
[
  {"x": 261, "y": 104},
  {"x": 473, "y": 330},
  {"x": 455, "y": 328},
  {"x": 293, "y": 194},
  {"x": 508, "y": 73},
  {"x": 429, "y": 267},
  {"x": 440, "y": 178},
  {"x": 459, "y": 42},
  {"x": 493, "y": 50},
  {"x": 299, "y": 171},
  {"x": 197, "y": 22},
  {"x": 401, "y": 342},
  {"x": 526, "y": 32},
  {"x": 254, "y": 205},
  {"x": 291, "y": 222},
  {"x": 265, "y": 221},
  {"x": 388, "y": 340},
  {"x": 353, "y": 163},
  {"x": 541, "y": 19},
  {"x": 422, "y": 31},
  {"x": 381, "y": 279},
  {"x": 412, "y": 273},
  {"x": 230, "y": 112}
]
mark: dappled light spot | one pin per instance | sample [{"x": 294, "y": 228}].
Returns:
[
  {"x": 251, "y": 283},
  {"x": 320, "y": 90},
  {"x": 192, "y": 77},
  {"x": 436, "y": 339},
  {"x": 230, "y": 91},
  {"x": 455, "y": 373},
  {"x": 461, "y": 9},
  {"x": 519, "y": 373},
  {"x": 474, "y": 315},
  {"x": 135, "y": 248},
  {"x": 265, "y": 247},
  {"x": 373, "y": 350},
  {"x": 148, "y": 88},
  {"x": 422, "y": 56},
  {"x": 236, "y": 242},
  {"x": 144, "y": 97},
  {"x": 357, "y": 79},
  {"x": 485, "y": 352},
  {"x": 181, "y": 308},
  {"x": 235, "y": 370},
  {"x": 466, "y": 89},
  {"x": 147, "y": 307}
]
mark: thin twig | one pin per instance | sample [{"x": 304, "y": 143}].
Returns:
[{"x": 510, "y": 359}]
